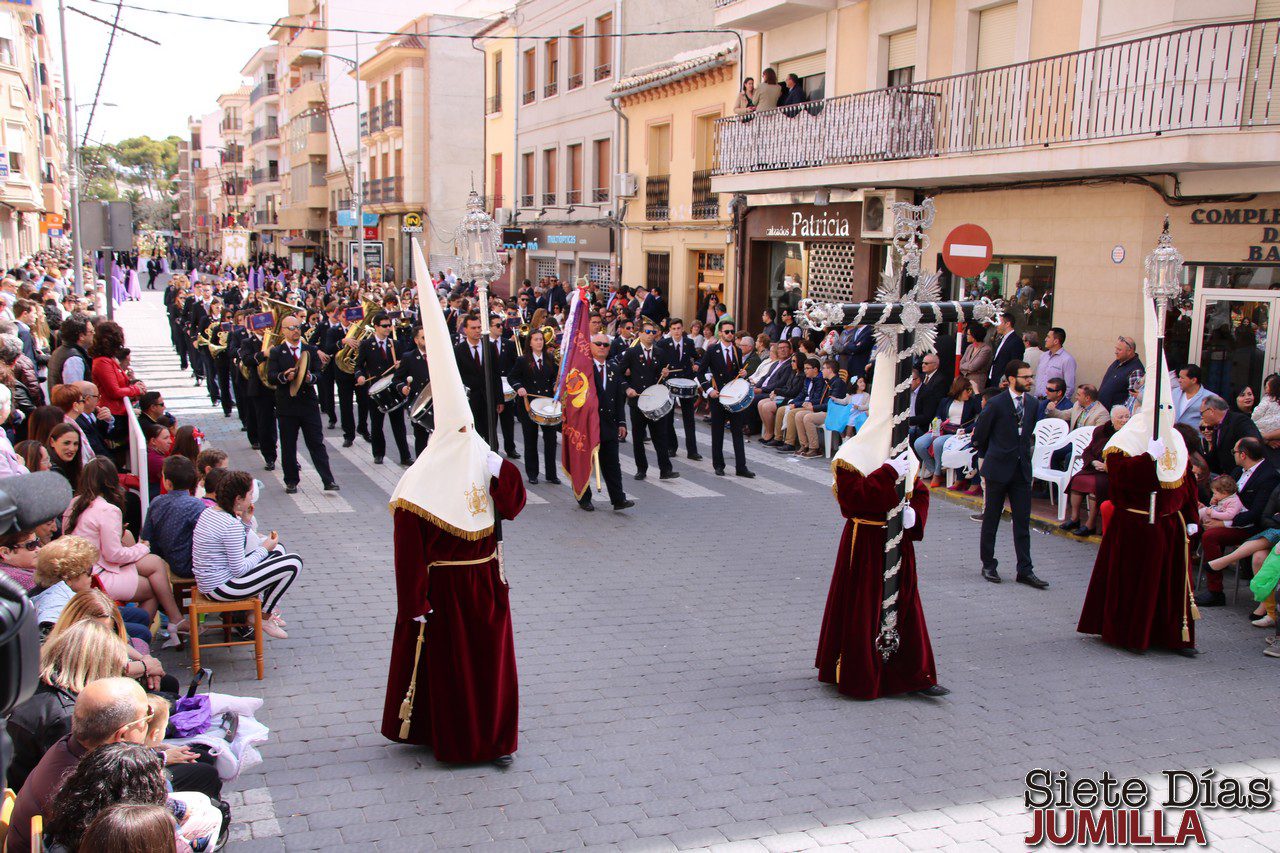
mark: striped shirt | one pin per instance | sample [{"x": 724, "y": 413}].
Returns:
[{"x": 217, "y": 549}]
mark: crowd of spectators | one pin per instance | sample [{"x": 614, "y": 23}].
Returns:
[{"x": 91, "y": 749}]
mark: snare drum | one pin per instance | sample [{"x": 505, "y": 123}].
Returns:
[
  {"x": 683, "y": 389},
  {"x": 508, "y": 393},
  {"x": 545, "y": 411},
  {"x": 422, "y": 414},
  {"x": 737, "y": 396},
  {"x": 655, "y": 402},
  {"x": 386, "y": 395}
]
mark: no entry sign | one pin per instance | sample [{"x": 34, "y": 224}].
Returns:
[{"x": 967, "y": 250}]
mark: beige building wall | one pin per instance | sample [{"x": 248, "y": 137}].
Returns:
[{"x": 500, "y": 57}]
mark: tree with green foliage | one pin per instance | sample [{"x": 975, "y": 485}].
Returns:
[{"x": 140, "y": 170}]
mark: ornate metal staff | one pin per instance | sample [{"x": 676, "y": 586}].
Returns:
[
  {"x": 906, "y": 325},
  {"x": 1162, "y": 283}
]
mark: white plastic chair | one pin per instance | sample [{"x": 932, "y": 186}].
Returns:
[
  {"x": 1078, "y": 439},
  {"x": 1050, "y": 434},
  {"x": 957, "y": 453}
]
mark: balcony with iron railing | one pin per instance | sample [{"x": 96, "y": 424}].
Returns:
[
  {"x": 548, "y": 199},
  {"x": 706, "y": 204},
  {"x": 231, "y": 124},
  {"x": 264, "y": 89},
  {"x": 657, "y": 198},
  {"x": 599, "y": 195},
  {"x": 603, "y": 71},
  {"x": 550, "y": 90},
  {"x": 391, "y": 116},
  {"x": 1220, "y": 77},
  {"x": 526, "y": 200},
  {"x": 575, "y": 81},
  {"x": 528, "y": 97},
  {"x": 268, "y": 131},
  {"x": 573, "y": 196},
  {"x": 384, "y": 190},
  {"x": 493, "y": 104},
  {"x": 263, "y": 176}
]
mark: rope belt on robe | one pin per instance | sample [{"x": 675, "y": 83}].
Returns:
[
  {"x": 1189, "y": 605},
  {"x": 406, "y": 707},
  {"x": 852, "y": 542}
]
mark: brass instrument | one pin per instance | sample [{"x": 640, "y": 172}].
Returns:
[
  {"x": 273, "y": 336},
  {"x": 345, "y": 358},
  {"x": 210, "y": 336}
]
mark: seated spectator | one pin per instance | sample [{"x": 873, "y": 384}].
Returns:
[
  {"x": 1245, "y": 401},
  {"x": 96, "y": 421},
  {"x": 42, "y": 421},
  {"x": 110, "y": 375},
  {"x": 1223, "y": 429},
  {"x": 1092, "y": 478},
  {"x": 186, "y": 442},
  {"x": 223, "y": 570},
  {"x": 33, "y": 455},
  {"x": 1055, "y": 402},
  {"x": 975, "y": 361},
  {"x": 11, "y": 463},
  {"x": 159, "y": 443},
  {"x": 64, "y": 568},
  {"x": 127, "y": 570},
  {"x": 810, "y": 419},
  {"x": 1225, "y": 503},
  {"x": 94, "y": 605},
  {"x": 1256, "y": 479},
  {"x": 85, "y": 652},
  {"x": 18, "y": 557},
  {"x": 1266, "y": 415},
  {"x": 785, "y": 384},
  {"x": 767, "y": 360},
  {"x": 812, "y": 392},
  {"x": 70, "y": 361},
  {"x": 64, "y": 452},
  {"x": 210, "y": 457},
  {"x": 209, "y": 486},
  {"x": 108, "y": 710},
  {"x": 860, "y": 403},
  {"x": 1114, "y": 389},
  {"x": 22, "y": 368},
  {"x": 1087, "y": 411},
  {"x": 171, "y": 519},
  {"x": 955, "y": 413},
  {"x": 151, "y": 407},
  {"x": 969, "y": 482},
  {"x": 71, "y": 401},
  {"x": 132, "y": 826}
]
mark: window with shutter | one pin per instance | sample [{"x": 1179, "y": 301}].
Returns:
[{"x": 997, "y": 29}]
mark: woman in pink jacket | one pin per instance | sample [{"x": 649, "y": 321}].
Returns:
[{"x": 126, "y": 571}]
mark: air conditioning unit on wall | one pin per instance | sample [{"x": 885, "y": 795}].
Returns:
[
  {"x": 877, "y": 212},
  {"x": 628, "y": 186}
]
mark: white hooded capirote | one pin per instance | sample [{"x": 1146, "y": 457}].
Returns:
[
  {"x": 448, "y": 485},
  {"x": 1135, "y": 437},
  {"x": 870, "y": 447}
]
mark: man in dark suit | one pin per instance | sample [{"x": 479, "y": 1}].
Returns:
[
  {"x": 678, "y": 356},
  {"x": 471, "y": 354},
  {"x": 613, "y": 426},
  {"x": 376, "y": 357},
  {"x": 859, "y": 354},
  {"x": 153, "y": 270},
  {"x": 558, "y": 297},
  {"x": 1003, "y": 437},
  {"x": 655, "y": 307},
  {"x": 534, "y": 375},
  {"x": 1007, "y": 346},
  {"x": 328, "y": 342},
  {"x": 412, "y": 376},
  {"x": 1224, "y": 428},
  {"x": 622, "y": 341},
  {"x": 298, "y": 410},
  {"x": 506, "y": 351},
  {"x": 1256, "y": 479},
  {"x": 642, "y": 367},
  {"x": 722, "y": 364},
  {"x": 933, "y": 387}
]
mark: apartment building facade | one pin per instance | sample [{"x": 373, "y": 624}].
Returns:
[
  {"x": 1068, "y": 130},
  {"x": 232, "y": 205},
  {"x": 264, "y": 157}
]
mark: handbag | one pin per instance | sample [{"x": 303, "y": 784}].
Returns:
[{"x": 837, "y": 416}]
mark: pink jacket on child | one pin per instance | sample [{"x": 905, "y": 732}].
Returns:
[
  {"x": 102, "y": 523},
  {"x": 1226, "y": 509}
]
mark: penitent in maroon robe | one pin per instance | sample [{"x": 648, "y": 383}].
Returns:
[
  {"x": 466, "y": 706},
  {"x": 1140, "y": 592},
  {"x": 847, "y": 654}
]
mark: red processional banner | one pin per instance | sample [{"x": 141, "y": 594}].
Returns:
[{"x": 576, "y": 391}]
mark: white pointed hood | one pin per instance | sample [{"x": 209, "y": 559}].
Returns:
[
  {"x": 1134, "y": 436},
  {"x": 869, "y": 448},
  {"x": 449, "y": 483}
]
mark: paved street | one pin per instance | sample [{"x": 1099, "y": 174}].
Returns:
[{"x": 668, "y": 696}]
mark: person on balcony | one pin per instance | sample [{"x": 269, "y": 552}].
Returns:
[
  {"x": 746, "y": 98},
  {"x": 769, "y": 93}
]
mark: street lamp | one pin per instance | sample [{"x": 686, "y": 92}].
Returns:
[
  {"x": 357, "y": 192},
  {"x": 1162, "y": 284}
]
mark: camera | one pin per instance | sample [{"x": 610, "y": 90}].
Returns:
[{"x": 26, "y": 502}]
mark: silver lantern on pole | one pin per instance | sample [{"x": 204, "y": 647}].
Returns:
[{"x": 1162, "y": 284}]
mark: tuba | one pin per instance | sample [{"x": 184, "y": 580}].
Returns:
[
  {"x": 272, "y": 336},
  {"x": 345, "y": 358}
]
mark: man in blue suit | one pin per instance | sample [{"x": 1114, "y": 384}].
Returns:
[{"x": 1003, "y": 436}]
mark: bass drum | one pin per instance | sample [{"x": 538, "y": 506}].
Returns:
[
  {"x": 386, "y": 395},
  {"x": 655, "y": 402},
  {"x": 422, "y": 413}
]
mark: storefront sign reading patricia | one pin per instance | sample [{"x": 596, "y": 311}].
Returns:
[
  {"x": 832, "y": 222},
  {"x": 1268, "y": 247},
  {"x": 811, "y": 226}
]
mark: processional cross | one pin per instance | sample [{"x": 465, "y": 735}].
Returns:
[{"x": 906, "y": 326}]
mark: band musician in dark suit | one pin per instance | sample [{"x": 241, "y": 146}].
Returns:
[
  {"x": 1003, "y": 436},
  {"x": 534, "y": 375},
  {"x": 471, "y": 354},
  {"x": 613, "y": 425},
  {"x": 643, "y": 367},
  {"x": 298, "y": 410},
  {"x": 680, "y": 357},
  {"x": 377, "y": 357},
  {"x": 506, "y": 350},
  {"x": 412, "y": 376},
  {"x": 260, "y": 399},
  {"x": 721, "y": 364}
]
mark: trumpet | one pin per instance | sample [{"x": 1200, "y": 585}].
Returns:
[{"x": 345, "y": 358}]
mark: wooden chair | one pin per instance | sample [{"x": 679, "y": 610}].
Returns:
[
  {"x": 200, "y": 606},
  {"x": 6, "y": 813},
  {"x": 182, "y": 588}
]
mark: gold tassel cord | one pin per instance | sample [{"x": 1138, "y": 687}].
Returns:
[{"x": 406, "y": 707}]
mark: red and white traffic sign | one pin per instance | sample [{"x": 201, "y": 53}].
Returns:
[{"x": 967, "y": 250}]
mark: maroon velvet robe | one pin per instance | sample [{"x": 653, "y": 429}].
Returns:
[
  {"x": 846, "y": 647},
  {"x": 466, "y": 706},
  {"x": 1140, "y": 589}
]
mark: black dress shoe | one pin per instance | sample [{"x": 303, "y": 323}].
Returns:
[
  {"x": 331, "y": 487},
  {"x": 1211, "y": 599},
  {"x": 933, "y": 690},
  {"x": 625, "y": 504},
  {"x": 991, "y": 575},
  {"x": 1083, "y": 532},
  {"x": 555, "y": 481},
  {"x": 1069, "y": 525},
  {"x": 696, "y": 457},
  {"x": 347, "y": 442},
  {"x": 533, "y": 480},
  {"x": 784, "y": 448},
  {"x": 503, "y": 761},
  {"x": 719, "y": 472},
  {"x": 588, "y": 506},
  {"x": 669, "y": 475},
  {"x": 1189, "y": 652},
  {"x": 513, "y": 454},
  {"x": 291, "y": 489},
  {"x": 1030, "y": 579},
  {"x": 405, "y": 461},
  {"x": 640, "y": 475},
  {"x": 270, "y": 466},
  {"x": 333, "y": 423},
  {"x": 744, "y": 473},
  {"x": 377, "y": 460}
]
